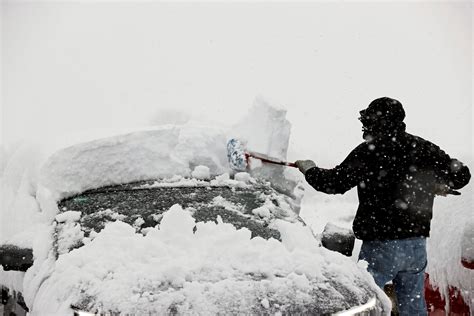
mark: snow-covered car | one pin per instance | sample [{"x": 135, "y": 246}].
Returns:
[
  {"x": 218, "y": 251},
  {"x": 208, "y": 254},
  {"x": 155, "y": 222}
]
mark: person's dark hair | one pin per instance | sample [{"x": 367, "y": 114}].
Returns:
[{"x": 383, "y": 116}]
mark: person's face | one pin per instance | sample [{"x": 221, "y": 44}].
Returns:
[{"x": 367, "y": 122}]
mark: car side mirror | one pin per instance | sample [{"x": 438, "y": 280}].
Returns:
[
  {"x": 338, "y": 239},
  {"x": 14, "y": 258}
]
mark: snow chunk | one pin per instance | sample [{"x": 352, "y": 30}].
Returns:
[
  {"x": 262, "y": 211},
  {"x": 177, "y": 222},
  {"x": 296, "y": 235},
  {"x": 138, "y": 223},
  {"x": 265, "y": 129},
  {"x": 69, "y": 216},
  {"x": 224, "y": 179},
  {"x": 201, "y": 173},
  {"x": 71, "y": 234},
  {"x": 220, "y": 201},
  {"x": 244, "y": 177}
]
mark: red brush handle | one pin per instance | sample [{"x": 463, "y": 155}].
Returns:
[{"x": 276, "y": 162}]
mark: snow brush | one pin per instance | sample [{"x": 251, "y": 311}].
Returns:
[{"x": 239, "y": 157}]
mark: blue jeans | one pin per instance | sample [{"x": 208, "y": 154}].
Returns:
[{"x": 403, "y": 262}]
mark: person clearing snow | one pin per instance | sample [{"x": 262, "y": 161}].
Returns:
[{"x": 397, "y": 177}]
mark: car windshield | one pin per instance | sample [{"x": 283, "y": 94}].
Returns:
[{"x": 142, "y": 204}]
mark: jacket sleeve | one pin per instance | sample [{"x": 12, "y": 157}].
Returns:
[
  {"x": 339, "y": 179},
  {"x": 449, "y": 171}
]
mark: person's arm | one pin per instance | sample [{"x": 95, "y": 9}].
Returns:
[
  {"x": 339, "y": 179},
  {"x": 450, "y": 172}
]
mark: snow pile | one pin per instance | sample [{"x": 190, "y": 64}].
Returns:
[
  {"x": 452, "y": 217},
  {"x": 121, "y": 159},
  {"x": 18, "y": 206},
  {"x": 273, "y": 129},
  {"x": 467, "y": 244},
  {"x": 266, "y": 130},
  {"x": 199, "y": 268}
]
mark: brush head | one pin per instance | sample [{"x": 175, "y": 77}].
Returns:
[{"x": 238, "y": 159}]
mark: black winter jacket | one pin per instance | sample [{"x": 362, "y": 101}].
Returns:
[{"x": 396, "y": 179}]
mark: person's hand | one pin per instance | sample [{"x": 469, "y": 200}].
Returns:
[
  {"x": 305, "y": 165},
  {"x": 442, "y": 189}
]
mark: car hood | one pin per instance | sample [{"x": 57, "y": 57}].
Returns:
[{"x": 205, "y": 268}]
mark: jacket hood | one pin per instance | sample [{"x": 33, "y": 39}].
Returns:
[{"x": 383, "y": 117}]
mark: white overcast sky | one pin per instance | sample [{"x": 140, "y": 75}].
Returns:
[{"x": 71, "y": 66}]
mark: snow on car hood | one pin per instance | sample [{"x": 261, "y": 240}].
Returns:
[{"x": 217, "y": 268}]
